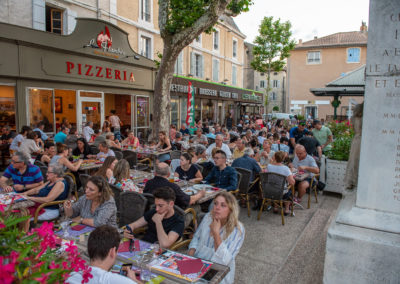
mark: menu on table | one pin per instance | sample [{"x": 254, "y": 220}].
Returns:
[
  {"x": 76, "y": 230},
  {"x": 7, "y": 198},
  {"x": 180, "y": 265}
]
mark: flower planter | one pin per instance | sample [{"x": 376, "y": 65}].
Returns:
[{"x": 335, "y": 174}]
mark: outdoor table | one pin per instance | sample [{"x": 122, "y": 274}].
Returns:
[
  {"x": 301, "y": 176},
  {"x": 132, "y": 257},
  {"x": 89, "y": 165},
  {"x": 147, "y": 152},
  {"x": 16, "y": 205}
]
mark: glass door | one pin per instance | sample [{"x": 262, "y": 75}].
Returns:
[
  {"x": 90, "y": 108},
  {"x": 142, "y": 112}
]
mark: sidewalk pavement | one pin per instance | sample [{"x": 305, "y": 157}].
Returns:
[{"x": 293, "y": 253}]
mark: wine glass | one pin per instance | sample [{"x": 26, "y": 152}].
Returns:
[
  {"x": 185, "y": 180},
  {"x": 65, "y": 226},
  {"x": 204, "y": 184}
]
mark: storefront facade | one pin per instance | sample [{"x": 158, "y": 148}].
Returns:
[
  {"x": 213, "y": 101},
  {"x": 80, "y": 77}
]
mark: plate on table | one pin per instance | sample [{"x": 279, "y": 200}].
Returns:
[
  {"x": 207, "y": 187},
  {"x": 190, "y": 191}
]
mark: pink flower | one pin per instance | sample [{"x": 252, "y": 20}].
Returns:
[
  {"x": 6, "y": 271},
  {"x": 53, "y": 265},
  {"x": 2, "y": 206},
  {"x": 2, "y": 225},
  {"x": 87, "y": 275},
  {"x": 44, "y": 277}
]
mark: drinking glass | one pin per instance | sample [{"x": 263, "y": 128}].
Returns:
[
  {"x": 185, "y": 180},
  {"x": 64, "y": 226},
  {"x": 204, "y": 184}
]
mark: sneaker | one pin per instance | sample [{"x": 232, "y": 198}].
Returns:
[{"x": 297, "y": 200}]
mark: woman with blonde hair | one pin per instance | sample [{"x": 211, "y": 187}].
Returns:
[
  {"x": 106, "y": 170},
  {"x": 121, "y": 177},
  {"x": 220, "y": 235}
]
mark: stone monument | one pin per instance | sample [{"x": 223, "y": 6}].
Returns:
[{"x": 363, "y": 244}]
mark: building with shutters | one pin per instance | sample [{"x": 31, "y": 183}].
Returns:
[
  {"x": 215, "y": 58},
  {"x": 315, "y": 63}
]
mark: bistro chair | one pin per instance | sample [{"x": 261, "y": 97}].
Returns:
[
  {"x": 245, "y": 185},
  {"x": 71, "y": 189},
  {"x": 40, "y": 164},
  {"x": 94, "y": 149},
  {"x": 132, "y": 159},
  {"x": 150, "y": 200},
  {"x": 44, "y": 170},
  {"x": 239, "y": 180},
  {"x": 70, "y": 177},
  {"x": 132, "y": 207},
  {"x": 272, "y": 186},
  {"x": 313, "y": 187},
  {"x": 84, "y": 179},
  {"x": 118, "y": 155},
  {"x": 117, "y": 193},
  {"x": 175, "y": 154},
  {"x": 190, "y": 218},
  {"x": 175, "y": 163}
]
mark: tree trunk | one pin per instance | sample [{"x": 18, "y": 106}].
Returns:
[{"x": 161, "y": 105}]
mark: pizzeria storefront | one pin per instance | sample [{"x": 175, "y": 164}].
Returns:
[
  {"x": 76, "y": 78},
  {"x": 213, "y": 101}
]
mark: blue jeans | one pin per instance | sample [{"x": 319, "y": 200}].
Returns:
[
  {"x": 117, "y": 133},
  {"x": 163, "y": 157}
]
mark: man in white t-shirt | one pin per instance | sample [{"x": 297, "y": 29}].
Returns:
[
  {"x": 88, "y": 131},
  {"x": 304, "y": 162},
  {"x": 219, "y": 143},
  {"x": 115, "y": 124},
  {"x": 103, "y": 246}
]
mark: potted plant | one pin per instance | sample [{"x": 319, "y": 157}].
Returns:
[
  {"x": 338, "y": 155},
  {"x": 33, "y": 257}
]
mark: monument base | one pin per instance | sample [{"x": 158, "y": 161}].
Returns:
[{"x": 363, "y": 246}]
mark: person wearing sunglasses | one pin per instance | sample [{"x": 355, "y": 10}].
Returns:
[{"x": 23, "y": 174}]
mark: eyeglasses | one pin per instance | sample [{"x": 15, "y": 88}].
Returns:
[
  {"x": 49, "y": 172},
  {"x": 15, "y": 162}
]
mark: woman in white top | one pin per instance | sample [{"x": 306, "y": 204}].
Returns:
[
  {"x": 17, "y": 141},
  {"x": 30, "y": 144},
  {"x": 220, "y": 235},
  {"x": 277, "y": 167}
]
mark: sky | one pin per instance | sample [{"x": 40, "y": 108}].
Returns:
[{"x": 309, "y": 18}]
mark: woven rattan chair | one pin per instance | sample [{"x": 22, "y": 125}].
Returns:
[
  {"x": 132, "y": 207},
  {"x": 313, "y": 187},
  {"x": 244, "y": 186}
]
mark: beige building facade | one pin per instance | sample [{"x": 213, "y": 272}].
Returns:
[{"x": 315, "y": 63}]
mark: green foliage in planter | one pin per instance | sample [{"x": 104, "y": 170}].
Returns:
[
  {"x": 343, "y": 134},
  {"x": 300, "y": 117}
]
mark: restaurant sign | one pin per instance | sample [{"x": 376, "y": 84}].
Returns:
[
  {"x": 251, "y": 97},
  {"x": 104, "y": 42},
  {"x": 89, "y": 70}
]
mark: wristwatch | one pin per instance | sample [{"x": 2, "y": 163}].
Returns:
[{"x": 81, "y": 220}]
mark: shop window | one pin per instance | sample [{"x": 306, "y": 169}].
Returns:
[
  {"x": 197, "y": 109},
  {"x": 353, "y": 55},
  {"x": 54, "y": 20},
  {"x": 215, "y": 70},
  {"x": 206, "y": 109},
  {"x": 146, "y": 10},
  {"x": 234, "y": 75},
  {"x": 174, "y": 110},
  {"x": 123, "y": 107},
  {"x": 183, "y": 110},
  {"x": 314, "y": 57},
  {"x": 65, "y": 107},
  {"x": 41, "y": 108},
  {"x": 142, "y": 111},
  {"x": 7, "y": 106}
]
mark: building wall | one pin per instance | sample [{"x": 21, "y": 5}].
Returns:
[
  {"x": 126, "y": 14},
  {"x": 303, "y": 76}
]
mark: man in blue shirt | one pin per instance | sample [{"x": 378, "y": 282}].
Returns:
[
  {"x": 184, "y": 130},
  {"x": 40, "y": 127},
  {"x": 248, "y": 162},
  {"x": 62, "y": 135},
  {"x": 296, "y": 133},
  {"x": 222, "y": 175},
  {"x": 23, "y": 174}
]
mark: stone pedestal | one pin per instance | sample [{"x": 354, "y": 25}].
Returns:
[{"x": 363, "y": 244}]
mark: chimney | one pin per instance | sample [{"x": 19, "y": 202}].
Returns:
[
  {"x": 315, "y": 37},
  {"x": 363, "y": 27},
  {"x": 300, "y": 41}
]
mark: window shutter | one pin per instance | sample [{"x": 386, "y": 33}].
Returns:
[
  {"x": 39, "y": 15},
  {"x": 201, "y": 66},
  {"x": 192, "y": 63},
  {"x": 215, "y": 70},
  {"x": 180, "y": 63},
  {"x": 71, "y": 21}
]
